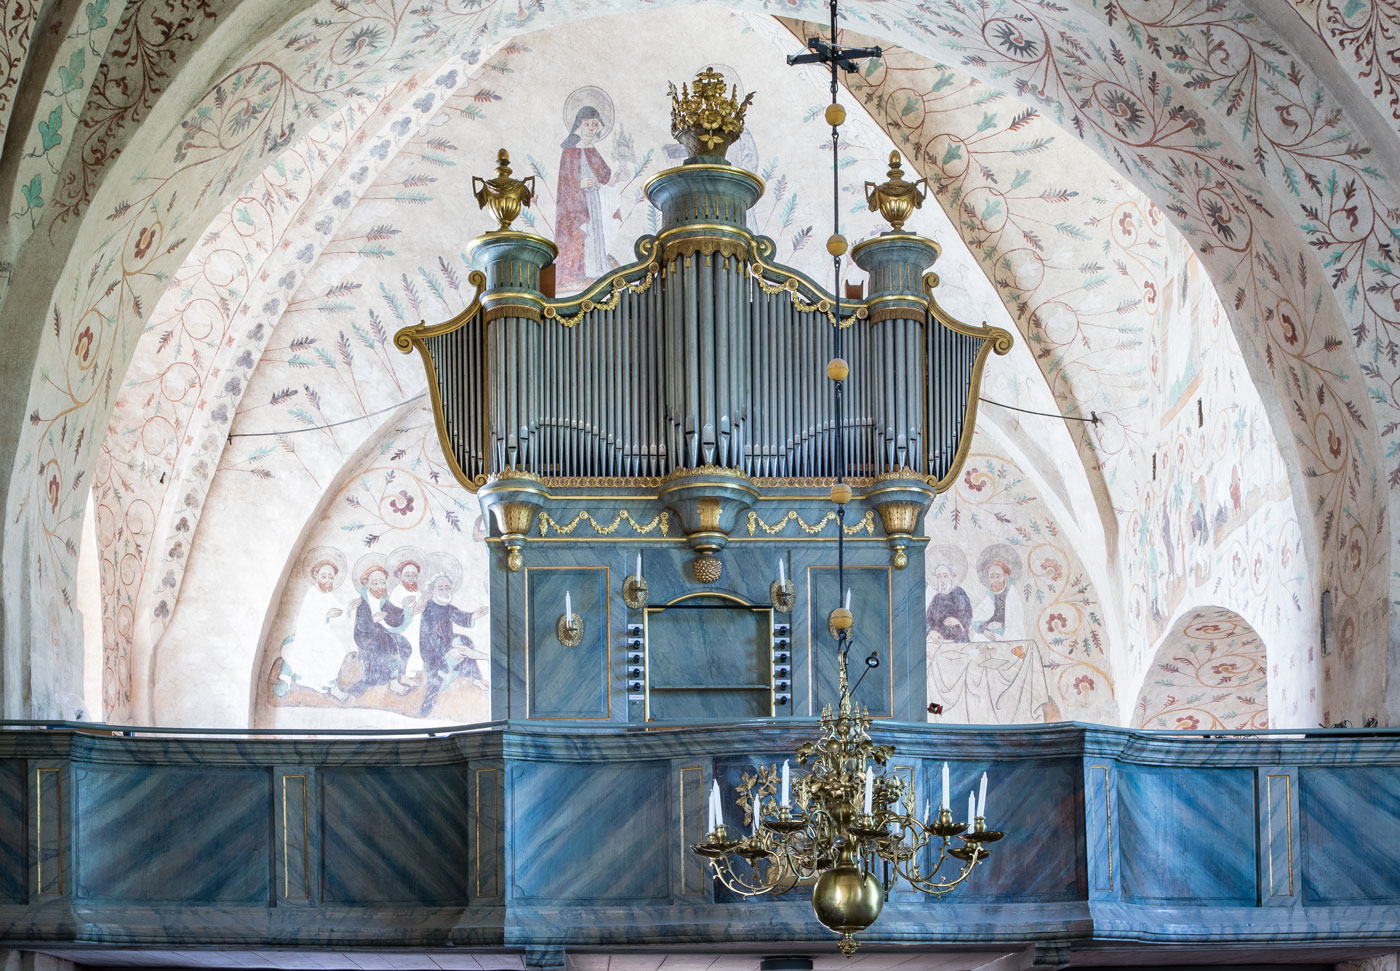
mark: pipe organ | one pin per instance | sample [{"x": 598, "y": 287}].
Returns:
[{"x": 684, "y": 399}]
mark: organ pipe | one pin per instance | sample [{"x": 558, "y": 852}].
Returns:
[{"x": 701, "y": 353}]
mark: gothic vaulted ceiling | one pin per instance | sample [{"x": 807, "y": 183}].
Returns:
[{"x": 219, "y": 213}]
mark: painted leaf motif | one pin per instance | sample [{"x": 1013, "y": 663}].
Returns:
[
  {"x": 96, "y": 14},
  {"x": 33, "y": 193},
  {"x": 70, "y": 75},
  {"x": 48, "y": 130}
]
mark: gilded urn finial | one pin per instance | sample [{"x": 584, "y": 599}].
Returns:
[
  {"x": 896, "y": 199},
  {"x": 703, "y": 118},
  {"x": 504, "y": 196}
]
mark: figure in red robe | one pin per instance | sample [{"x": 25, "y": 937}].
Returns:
[{"x": 578, "y": 224}]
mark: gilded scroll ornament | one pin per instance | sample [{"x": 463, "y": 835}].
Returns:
[
  {"x": 661, "y": 522},
  {"x": 504, "y": 195},
  {"x": 866, "y": 523},
  {"x": 704, "y": 119}
]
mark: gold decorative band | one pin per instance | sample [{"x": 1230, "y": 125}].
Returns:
[
  {"x": 866, "y": 523},
  {"x": 661, "y": 522},
  {"x": 523, "y": 310}
]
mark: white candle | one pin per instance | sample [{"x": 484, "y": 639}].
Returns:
[
  {"x": 787, "y": 792},
  {"x": 848, "y": 598},
  {"x": 971, "y": 807},
  {"x": 982, "y": 797},
  {"x": 711, "y": 825},
  {"x": 719, "y": 806},
  {"x": 926, "y": 811},
  {"x": 944, "y": 803},
  {"x": 568, "y": 607},
  {"x": 782, "y": 570},
  {"x": 869, "y": 786},
  {"x": 639, "y": 565}
]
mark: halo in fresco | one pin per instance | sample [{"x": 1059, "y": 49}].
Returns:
[
  {"x": 444, "y": 565},
  {"x": 596, "y": 97},
  {"x": 1005, "y": 555},
  {"x": 319, "y": 556},
  {"x": 951, "y": 557},
  {"x": 405, "y": 555},
  {"x": 368, "y": 563}
]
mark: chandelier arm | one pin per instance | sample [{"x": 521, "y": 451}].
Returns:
[
  {"x": 940, "y": 887},
  {"x": 735, "y": 884}
]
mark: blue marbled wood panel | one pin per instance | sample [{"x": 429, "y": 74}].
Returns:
[
  {"x": 1039, "y": 806},
  {"x": 1101, "y": 822},
  {"x": 1351, "y": 814},
  {"x": 201, "y": 835},
  {"x": 568, "y": 682},
  {"x": 871, "y": 603},
  {"x": 569, "y": 824},
  {"x": 708, "y": 663},
  {"x": 1187, "y": 835},
  {"x": 395, "y": 835},
  {"x": 12, "y": 835}
]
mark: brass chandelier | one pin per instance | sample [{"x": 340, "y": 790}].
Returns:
[{"x": 846, "y": 827}]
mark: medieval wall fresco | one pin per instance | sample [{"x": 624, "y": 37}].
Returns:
[
  {"x": 327, "y": 374},
  {"x": 1209, "y": 673},
  {"x": 1140, "y": 291},
  {"x": 386, "y": 608},
  {"x": 1015, "y": 629},
  {"x": 1057, "y": 57}
]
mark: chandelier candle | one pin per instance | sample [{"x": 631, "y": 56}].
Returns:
[
  {"x": 944, "y": 803},
  {"x": 787, "y": 792},
  {"x": 982, "y": 796}
]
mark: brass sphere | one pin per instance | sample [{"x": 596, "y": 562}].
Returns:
[
  {"x": 837, "y": 369},
  {"x": 836, "y": 244},
  {"x": 835, "y": 115},
  {"x": 842, "y": 619},
  {"x": 840, "y": 493},
  {"x": 846, "y": 900},
  {"x": 901, "y": 559}
]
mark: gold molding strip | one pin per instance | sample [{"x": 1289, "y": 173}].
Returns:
[
  {"x": 305, "y": 843},
  {"x": 39, "y": 821},
  {"x": 495, "y": 886},
  {"x": 689, "y": 861},
  {"x": 1108, "y": 820},
  {"x": 1269, "y": 825}
]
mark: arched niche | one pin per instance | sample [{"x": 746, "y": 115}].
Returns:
[{"x": 1210, "y": 672}]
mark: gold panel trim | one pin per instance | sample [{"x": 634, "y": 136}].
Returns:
[
  {"x": 755, "y": 522},
  {"x": 495, "y": 888},
  {"x": 661, "y": 521},
  {"x": 689, "y": 861},
  {"x": 1108, "y": 820},
  {"x": 1269, "y": 823},
  {"x": 696, "y": 595},
  {"x": 305, "y": 844},
  {"x": 40, "y": 820},
  {"x": 889, "y": 648},
  {"x": 607, "y": 643}
]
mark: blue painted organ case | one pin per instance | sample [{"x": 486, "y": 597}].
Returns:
[{"x": 675, "y": 418}]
